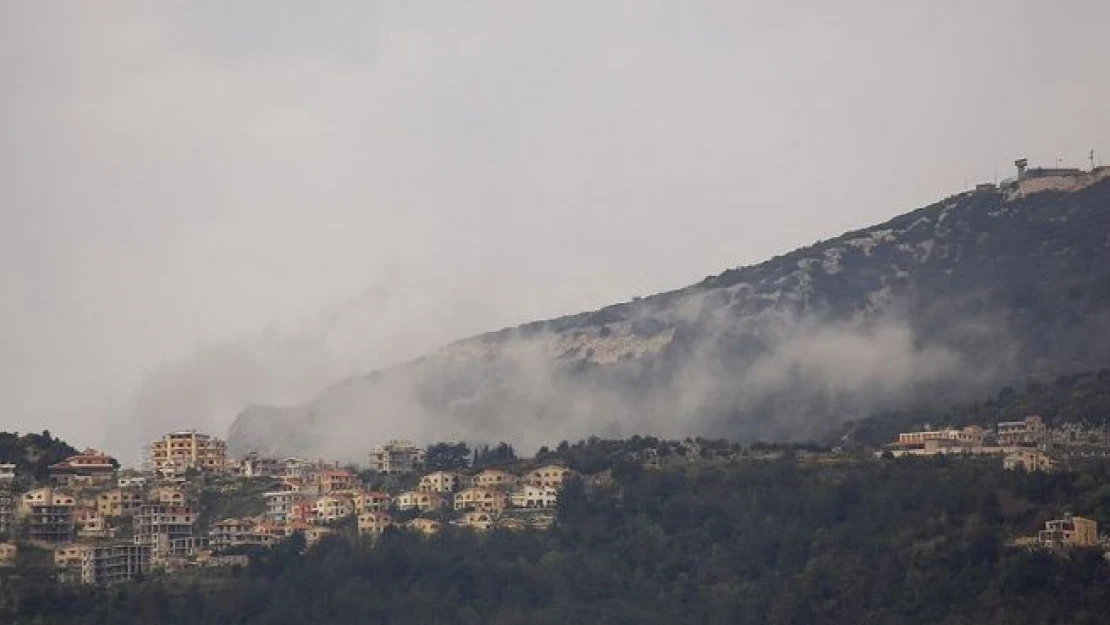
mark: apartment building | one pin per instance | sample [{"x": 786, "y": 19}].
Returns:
[
  {"x": 550, "y": 476},
  {"x": 372, "y": 501},
  {"x": 373, "y": 523},
  {"x": 234, "y": 532},
  {"x": 111, "y": 564},
  {"x": 7, "y": 498},
  {"x": 280, "y": 503},
  {"x": 440, "y": 482},
  {"x": 163, "y": 518},
  {"x": 397, "y": 457},
  {"x": 424, "y": 526},
  {"x": 971, "y": 436},
  {"x": 1029, "y": 431},
  {"x": 1070, "y": 531},
  {"x": 337, "y": 480},
  {"x": 332, "y": 508},
  {"x": 177, "y": 452},
  {"x": 89, "y": 523},
  {"x": 494, "y": 478},
  {"x": 1028, "y": 460},
  {"x": 48, "y": 515},
  {"x": 119, "y": 502},
  {"x": 132, "y": 481},
  {"x": 90, "y": 467},
  {"x": 476, "y": 520},
  {"x": 258, "y": 466},
  {"x": 534, "y": 497},
  {"x": 417, "y": 500},
  {"x": 483, "y": 499}
]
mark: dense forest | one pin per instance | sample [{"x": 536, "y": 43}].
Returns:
[
  {"x": 32, "y": 454},
  {"x": 890, "y": 541}
]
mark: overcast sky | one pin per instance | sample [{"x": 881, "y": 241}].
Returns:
[{"x": 208, "y": 204}]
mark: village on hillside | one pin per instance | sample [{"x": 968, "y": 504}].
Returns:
[{"x": 191, "y": 506}]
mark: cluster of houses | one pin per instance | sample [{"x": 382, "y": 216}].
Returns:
[
  {"x": 106, "y": 526},
  {"x": 1029, "y": 444}
]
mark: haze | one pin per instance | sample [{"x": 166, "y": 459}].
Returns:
[{"x": 205, "y": 205}]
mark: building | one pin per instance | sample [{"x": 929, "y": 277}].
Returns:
[
  {"x": 48, "y": 515},
  {"x": 178, "y": 452},
  {"x": 132, "y": 481},
  {"x": 534, "y": 497},
  {"x": 396, "y": 457},
  {"x": 8, "y": 554},
  {"x": 424, "y": 526},
  {"x": 115, "y": 563},
  {"x": 257, "y": 466},
  {"x": 417, "y": 500},
  {"x": 332, "y": 508},
  {"x": 1029, "y": 431},
  {"x": 1027, "y": 460},
  {"x": 7, "y": 498},
  {"x": 372, "y": 501},
  {"x": 336, "y": 481},
  {"x": 162, "y": 519},
  {"x": 550, "y": 476},
  {"x": 440, "y": 482},
  {"x": 89, "y": 467},
  {"x": 373, "y": 523},
  {"x": 89, "y": 523},
  {"x": 1070, "y": 531},
  {"x": 494, "y": 478},
  {"x": 971, "y": 436},
  {"x": 313, "y": 535},
  {"x": 233, "y": 532},
  {"x": 118, "y": 502},
  {"x": 280, "y": 503},
  {"x": 477, "y": 520},
  {"x": 483, "y": 499}
]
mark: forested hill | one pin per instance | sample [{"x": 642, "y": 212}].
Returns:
[
  {"x": 32, "y": 454},
  {"x": 946, "y": 303},
  {"x": 887, "y": 542}
]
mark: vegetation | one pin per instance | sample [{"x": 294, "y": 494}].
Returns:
[
  {"x": 33, "y": 454},
  {"x": 907, "y": 541}
]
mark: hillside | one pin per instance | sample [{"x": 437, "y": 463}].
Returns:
[{"x": 942, "y": 304}]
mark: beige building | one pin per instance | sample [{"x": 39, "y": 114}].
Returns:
[
  {"x": 373, "y": 523},
  {"x": 1070, "y": 531},
  {"x": 424, "y": 526},
  {"x": 8, "y": 554},
  {"x": 332, "y": 508},
  {"x": 494, "y": 478},
  {"x": 7, "y": 498},
  {"x": 1029, "y": 460},
  {"x": 69, "y": 556},
  {"x": 313, "y": 535},
  {"x": 1029, "y": 431},
  {"x": 372, "y": 501},
  {"x": 89, "y": 467},
  {"x": 550, "y": 476},
  {"x": 115, "y": 563},
  {"x": 234, "y": 532},
  {"x": 165, "y": 517},
  {"x": 48, "y": 515},
  {"x": 118, "y": 502},
  {"x": 440, "y": 482},
  {"x": 534, "y": 497},
  {"x": 89, "y": 523},
  {"x": 971, "y": 436},
  {"x": 280, "y": 503},
  {"x": 478, "y": 520},
  {"x": 396, "y": 457},
  {"x": 417, "y": 500},
  {"x": 483, "y": 499},
  {"x": 177, "y": 452},
  {"x": 337, "y": 480}
]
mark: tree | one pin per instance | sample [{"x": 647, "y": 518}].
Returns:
[{"x": 447, "y": 456}]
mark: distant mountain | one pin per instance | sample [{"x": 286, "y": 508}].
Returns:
[{"x": 941, "y": 304}]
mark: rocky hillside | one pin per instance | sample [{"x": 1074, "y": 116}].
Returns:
[{"x": 940, "y": 304}]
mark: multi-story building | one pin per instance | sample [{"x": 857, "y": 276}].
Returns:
[
  {"x": 550, "y": 476},
  {"x": 483, "y": 499},
  {"x": 970, "y": 436},
  {"x": 336, "y": 480},
  {"x": 119, "y": 502},
  {"x": 1070, "y": 531},
  {"x": 1027, "y": 460},
  {"x": 1029, "y": 431},
  {"x": 280, "y": 503},
  {"x": 48, "y": 515},
  {"x": 396, "y": 457},
  {"x": 477, "y": 520},
  {"x": 258, "y": 466},
  {"x": 163, "y": 518},
  {"x": 417, "y": 500},
  {"x": 115, "y": 563},
  {"x": 372, "y": 501},
  {"x": 440, "y": 482},
  {"x": 373, "y": 523},
  {"x": 534, "y": 497},
  {"x": 494, "y": 478},
  {"x": 424, "y": 526},
  {"x": 7, "y": 498},
  {"x": 177, "y": 452},
  {"x": 333, "y": 508},
  {"x": 89, "y": 467},
  {"x": 131, "y": 481},
  {"x": 233, "y": 532},
  {"x": 89, "y": 523}
]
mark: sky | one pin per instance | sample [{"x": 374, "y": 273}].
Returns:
[{"x": 209, "y": 204}]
